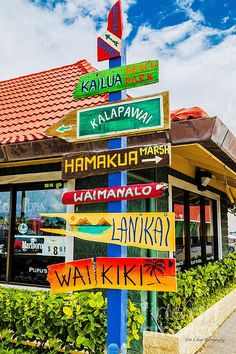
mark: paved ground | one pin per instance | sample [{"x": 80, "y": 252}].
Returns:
[{"x": 223, "y": 340}]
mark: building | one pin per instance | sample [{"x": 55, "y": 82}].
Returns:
[{"x": 201, "y": 178}]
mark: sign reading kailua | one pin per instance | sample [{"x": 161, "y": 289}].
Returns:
[
  {"x": 117, "y": 79},
  {"x": 135, "y": 116}
]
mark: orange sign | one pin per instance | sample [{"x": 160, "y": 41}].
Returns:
[
  {"x": 150, "y": 274},
  {"x": 70, "y": 276}
]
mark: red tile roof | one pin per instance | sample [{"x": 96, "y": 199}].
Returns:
[{"x": 30, "y": 104}]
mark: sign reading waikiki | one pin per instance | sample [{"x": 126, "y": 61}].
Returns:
[
  {"x": 144, "y": 230},
  {"x": 117, "y": 79}
]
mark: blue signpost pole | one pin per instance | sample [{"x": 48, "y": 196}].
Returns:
[{"x": 117, "y": 299}]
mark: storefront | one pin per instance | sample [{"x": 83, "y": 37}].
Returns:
[{"x": 31, "y": 183}]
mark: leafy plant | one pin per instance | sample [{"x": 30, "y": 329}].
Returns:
[
  {"x": 74, "y": 321},
  {"x": 197, "y": 289}
]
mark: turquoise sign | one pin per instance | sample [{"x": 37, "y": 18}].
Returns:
[{"x": 128, "y": 117}]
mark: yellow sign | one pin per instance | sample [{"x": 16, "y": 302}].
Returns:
[{"x": 144, "y": 230}]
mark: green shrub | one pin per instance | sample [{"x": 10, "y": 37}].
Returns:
[
  {"x": 71, "y": 321},
  {"x": 197, "y": 289}
]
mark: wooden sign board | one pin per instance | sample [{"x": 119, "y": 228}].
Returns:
[
  {"x": 109, "y": 44},
  {"x": 71, "y": 276},
  {"x": 144, "y": 230},
  {"x": 130, "y": 117},
  {"x": 90, "y": 163},
  {"x": 114, "y": 194},
  {"x": 149, "y": 274},
  {"x": 117, "y": 79}
]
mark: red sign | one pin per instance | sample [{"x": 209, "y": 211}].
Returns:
[
  {"x": 111, "y": 194},
  {"x": 109, "y": 44}
]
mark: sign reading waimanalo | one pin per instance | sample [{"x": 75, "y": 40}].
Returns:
[
  {"x": 150, "y": 274},
  {"x": 109, "y": 44},
  {"x": 144, "y": 230},
  {"x": 90, "y": 163},
  {"x": 114, "y": 194},
  {"x": 117, "y": 79},
  {"x": 134, "y": 116}
]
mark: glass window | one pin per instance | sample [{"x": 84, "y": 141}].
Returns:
[
  {"x": 210, "y": 244},
  {"x": 178, "y": 208},
  {"x": 4, "y": 225},
  {"x": 195, "y": 228},
  {"x": 34, "y": 249}
]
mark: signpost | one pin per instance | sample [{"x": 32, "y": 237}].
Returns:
[
  {"x": 114, "y": 194},
  {"x": 90, "y": 163},
  {"x": 145, "y": 230},
  {"x": 117, "y": 78},
  {"x": 150, "y": 274},
  {"x": 109, "y": 44},
  {"x": 134, "y": 116}
]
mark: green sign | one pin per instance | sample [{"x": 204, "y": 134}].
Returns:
[
  {"x": 128, "y": 117},
  {"x": 117, "y": 79}
]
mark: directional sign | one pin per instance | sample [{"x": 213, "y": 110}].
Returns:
[
  {"x": 150, "y": 274},
  {"x": 114, "y": 194},
  {"x": 109, "y": 44},
  {"x": 117, "y": 79},
  {"x": 130, "y": 117},
  {"x": 144, "y": 230},
  {"x": 70, "y": 276},
  {"x": 90, "y": 163}
]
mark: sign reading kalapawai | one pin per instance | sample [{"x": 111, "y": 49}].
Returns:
[
  {"x": 117, "y": 79},
  {"x": 144, "y": 230},
  {"x": 150, "y": 274},
  {"x": 130, "y": 117},
  {"x": 114, "y": 194},
  {"x": 89, "y": 163}
]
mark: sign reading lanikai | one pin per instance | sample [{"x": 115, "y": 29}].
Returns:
[
  {"x": 145, "y": 230},
  {"x": 134, "y": 116},
  {"x": 117, "y": 79}
]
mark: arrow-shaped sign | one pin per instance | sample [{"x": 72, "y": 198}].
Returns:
[
  {"x": 111, "y": 39},
  {"x": 63, "y": 128},
  {"x": 156, "y": 159}
]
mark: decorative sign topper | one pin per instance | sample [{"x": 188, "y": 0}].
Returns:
[
  {"x": 130, "y": 117},
  {"x": 144, "y": 230},
  {"x": 150, "y": 274},
  {"x": 114, "y": 194},
  {"x": 90, "y": 163},
  {"x": 117, "y": 79},
  {"x": 109, "y": 44}
]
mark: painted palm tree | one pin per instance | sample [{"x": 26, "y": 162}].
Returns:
[{"x": 155, "y": 267}]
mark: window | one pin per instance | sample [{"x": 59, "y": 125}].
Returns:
[
  {"x": 26, "y": 253},
  {"x": 195, "y": 227}
]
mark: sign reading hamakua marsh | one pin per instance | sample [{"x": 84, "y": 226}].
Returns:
[
  {"x": 90, "y": 163},
  {"x": 117, "y": 79},
  {"x": 144, "y": 230},
  {"x": 130, "y": 117},
  {"x": 150, "y": 274}
]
